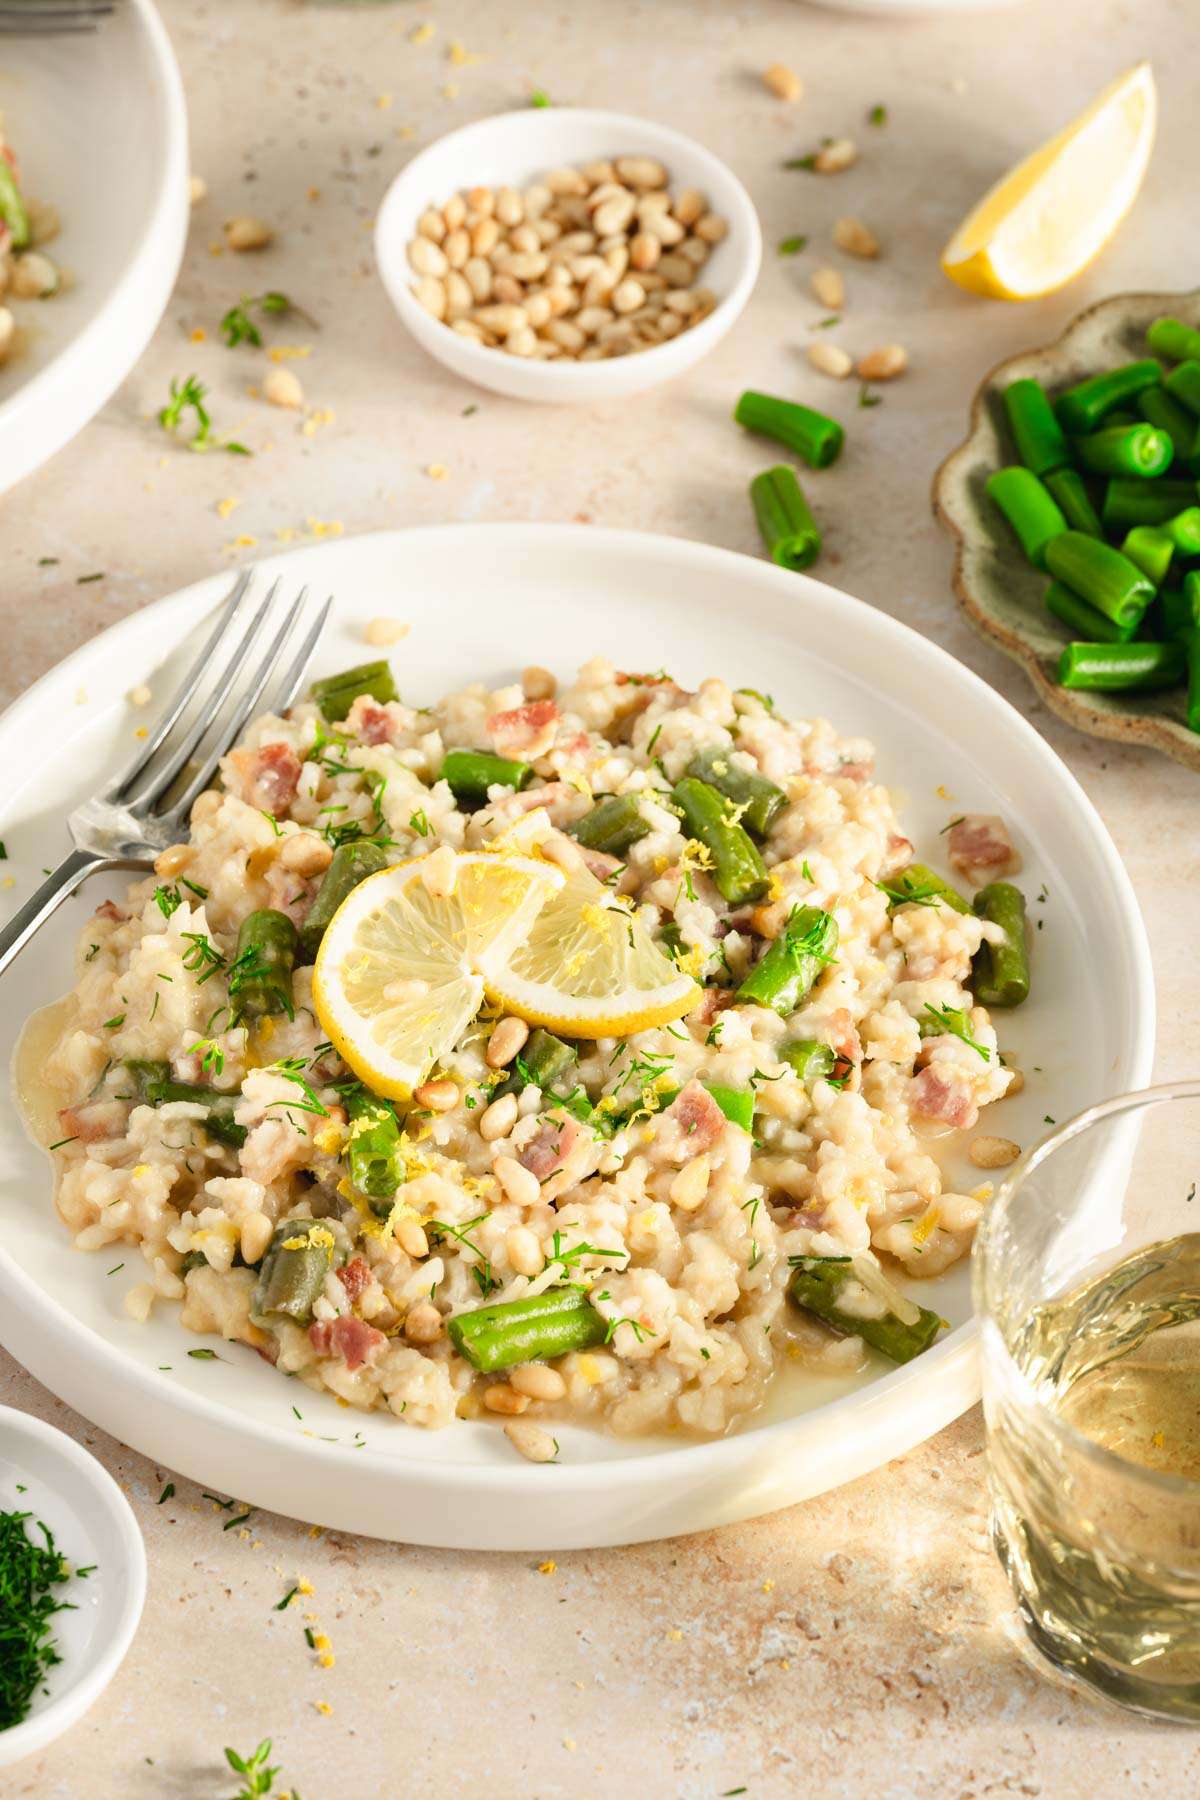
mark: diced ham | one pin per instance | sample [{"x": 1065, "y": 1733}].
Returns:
[
  {"x": 853, "y": 771},
  {"x": 937, "y": 1094},
  {"x": 103, "y": 1119},
  {"x": 693, "y": 1122},
  {"x": 108, "y": 909},
  {"x": 355, "y": 1277},
  {"x": 373, "y": 723},
  {"x": 715, "y": 1000},
  {"x": 269, "y": 775},
  {"x": 980, "y": 848},
  {"x": 598, "y": 862},
  {"x": 352, "y": 1339},
  {"x": 898, "y": 854},
  {"x": 545, "y": 1154},
  {"x": 526, "y": 731},
  {"x": 844, "y": 1038}
]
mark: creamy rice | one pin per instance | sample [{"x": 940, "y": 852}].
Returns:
[{"x": 690, "y": 1219}]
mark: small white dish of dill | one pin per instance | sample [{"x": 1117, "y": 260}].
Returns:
[{"x": 72, "y": 1583}]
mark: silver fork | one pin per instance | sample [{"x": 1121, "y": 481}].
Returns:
[
  {"x": 52, "y": 18},
  {"x": 144, "y": 808}
]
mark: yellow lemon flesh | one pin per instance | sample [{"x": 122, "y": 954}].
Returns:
[{"x": 1049, "y": 217}]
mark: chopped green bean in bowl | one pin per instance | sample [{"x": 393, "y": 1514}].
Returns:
[{"x": 1008, "y": 578}]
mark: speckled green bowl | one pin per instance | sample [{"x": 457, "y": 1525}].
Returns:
[{"x": 998, "y": 590}]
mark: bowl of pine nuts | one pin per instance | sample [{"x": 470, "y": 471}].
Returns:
[{"x": 566, "y": 254}]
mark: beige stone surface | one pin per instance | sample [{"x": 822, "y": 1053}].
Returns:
[{"x": 861, "y": 1644}]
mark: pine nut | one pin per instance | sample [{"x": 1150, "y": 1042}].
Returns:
[
  {"x": 883, "y": 364},
  {"x": 576, "y": 243},
  {"x": 439, "y": 872},
  {"x": 695, "y": 251},
  {"x": 829, "y": 287},
  {"x": 432, "y": 224},
  {"x": 520, "y": 1184},
  {"x": 508, "y": 1037},
  {"x": 538, "y": 310},
  {"x": 503, "y": 1399},
  {"x": 710, "y": 228},
  {"x": 501, "y": 319},
  {"x": 536, "y": 199},
  {"x": 677, "y": 270},
  {"x": 783, "y": 82},
  {"x": 563, "y": 181},
  {"x": 599, "y": 287},
  {"x": 538, "y": 1381},
  {"x": 254, "y": 1236},
  {"x": 175, "y": 857},
  {"x": 547, "y": 231},
  {"x": 596, "y": 173},
  {"x": 521, "y": 342},
  {"x": 410, "y": 1235},
  {"x": 427, "y": 258},
  {"x": 616, "y": 258},
  {"x": 481, "y": 200},
  {"x": 830, "y": 360},
  {"x": 993, "y": 1152},
  {"x": 528, "y": 265},
  {"x": 592, "y": 318},
  {"x": 538, "y": 683},
  {"x": 644, "y": 250},
  {"x": 832, "y": 158},
  {"x": 628, "y": 295},
  {"x": 510, "y": 208},
  {"x": 853, "y": 236},
  {"x": 1016, "y": 1083},
  {"x": 457, "y": 248},
  {"x": 614, "y": 214},
  {"x": 423, "y": 1324},
  {"x": 690, "y": 1186},
  {"x": 437, "y": 1096},
  {"x": 524, "y": 1250},
  {"x": 561, "y": 300},
  {"x": 459, "y": 298},
  {"x": 248, "y": 233},
  {"x": 641, "y": 171},
  {"x": 282, "y": 388},
  {"x": 305, "y": 853},
  {"x": 498, "y": 1119},
  {"x": 534, "y": 1444},
  {"x": 689, "y": 206},
  {"x": 484, "y": 237},
  {"x": 477, "y": 272},
  {"x": 508, "y": 291},
  {"x": 524, "y": 238},
  {"x": 430, "y": 294},
  {"x": 662, "y": 226},
  {"x": 454, "y": 213}
]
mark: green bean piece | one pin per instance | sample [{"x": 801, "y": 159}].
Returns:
[
  {"x": 195, "y": 1259},
  {"x": 13, "y": 212},
  {"x": 1109, "y": 581},
  {"x": 784, "y": 976},
  {"x": 1001, "y": 971},
  {"x": 351, "y": 863},
  {"x": 336, "y": 694},
  {"x": 374, "y": 1151},
  {"x": 260, "y": 975},
  {"x": 1037, "y": 434},
  {"x": 920, "y": 883},
  {"x": 788, "y": 530},
  {"x": 736, "y": 1103},
  {"x": 1151, "y": 548},
  {"x": 1183, "y": 385},
  {"x": 613, "y": 825},
  {"x": 545, "y": 1061},
  {"x": 293, "y": 1271},
  {"x": 1082, "y": 620},
  {"x": 1082, "y": 407},
  {"x": 1131, "y": 450},
  {"x": 810, "y": 434},
  {"x": 1182, "y": 427},
  {"x": 1069, "y": 490},
  {"x": 1128, "y": 501},
  {"x": 815, "y": 1287},
  {"x": 1181, "y": 611},
  {"x": 154, "y": 1086},
  {"x": 1120, "y": 668},
  {"x": 737, "y": 868},
  {"x": 1191, "y": 644},
  {"x": 809, "y": 1057},
  {"x": 1184, "y": 531},
  {"x": 517, "y": 1331},
  {"x": 472, "y": 772},
  {"x": 1029, "y": 507},
  {"x": 762, "y": 800},
  {"x": 1174, "y": 340}
]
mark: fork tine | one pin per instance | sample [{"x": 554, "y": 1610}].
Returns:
[
  {"x": 245, "y": 711},
  {"x": 293, "y": 676},
  {"x": 160, "y": 779},
  {"x": 183, "y": 694}
]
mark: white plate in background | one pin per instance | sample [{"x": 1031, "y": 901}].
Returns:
[
  {"x": 43, "y": 1472},
  {"x": 99, "y": 127},
  {"x": 484, "y": 601}
]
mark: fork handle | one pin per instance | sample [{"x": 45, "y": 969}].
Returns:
[{"x": 71, "y": 873}]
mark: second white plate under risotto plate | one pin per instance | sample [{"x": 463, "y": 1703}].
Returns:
[{"x": 483, "y": 601}]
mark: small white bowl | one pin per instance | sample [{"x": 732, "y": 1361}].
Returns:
[
  {"x": 44, "y": 1472},
  {"x": 514, "y": 149}
]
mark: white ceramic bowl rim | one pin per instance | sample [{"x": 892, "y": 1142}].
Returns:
[
  {"x": 629, "y": 135},
  {"x": 702, "y": 1459}
]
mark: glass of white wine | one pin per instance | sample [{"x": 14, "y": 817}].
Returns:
[{"x": 1087, "y": 1287}]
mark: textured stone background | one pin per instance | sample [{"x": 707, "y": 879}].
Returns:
[{"x": 861, "y": 1644}]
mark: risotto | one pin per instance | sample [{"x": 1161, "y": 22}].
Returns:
[{"x": 627, "y": 1230}]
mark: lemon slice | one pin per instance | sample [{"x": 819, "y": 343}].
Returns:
[
  {"x": 1047, "y": 218},
  {"x": 397, "y": 980},
  {"x": 587, "y": 967}
]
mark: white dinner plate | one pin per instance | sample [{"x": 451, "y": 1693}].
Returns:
[
  {"x": 99, "y": 126},
  {"x": 43, "y": 1472},
  {"x": 483, "y": 601}
]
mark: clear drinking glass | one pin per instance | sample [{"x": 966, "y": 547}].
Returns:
[{"x": 1087, "y": 1286}]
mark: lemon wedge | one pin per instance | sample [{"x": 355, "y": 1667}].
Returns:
[
  {"x": 1047, "y": 218},
  {"x": 587, "y": 967},
  {"x": 397, "y": 980}
]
